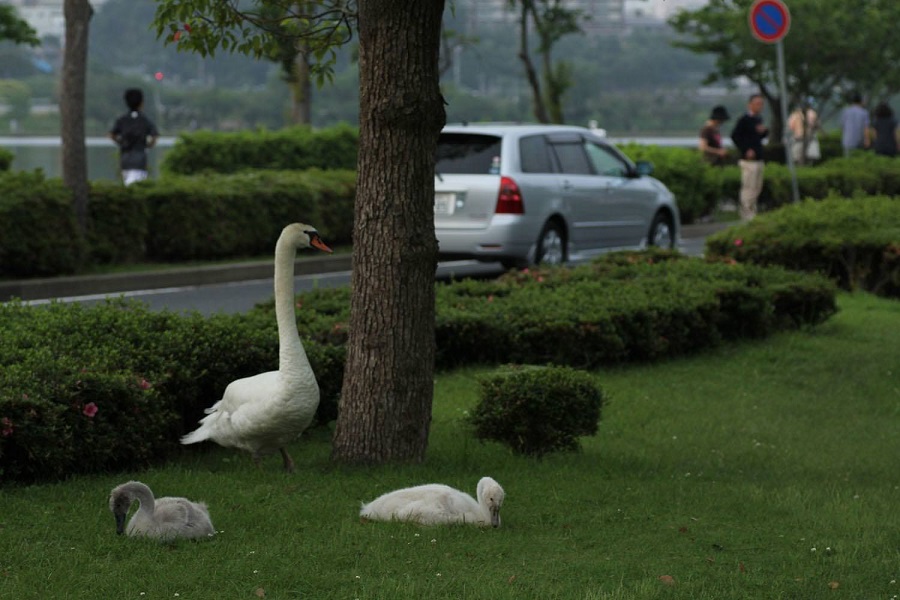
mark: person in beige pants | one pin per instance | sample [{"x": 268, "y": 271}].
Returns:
[{"x": 748, "y": 135}]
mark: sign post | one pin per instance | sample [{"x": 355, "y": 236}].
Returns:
[{"x": 770, "y": 21}]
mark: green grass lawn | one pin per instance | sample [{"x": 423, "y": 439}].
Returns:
[{"x": 761, "y": 470}]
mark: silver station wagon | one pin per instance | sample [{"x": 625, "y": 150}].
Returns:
[{"x": 529, "y": 194}]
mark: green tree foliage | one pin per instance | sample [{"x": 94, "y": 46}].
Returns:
[
  {"x": 260, "y": 30},
  {"x": 15, "y": 29},
  {"x": 831, "y": 48},
  {"x": 145, "y": 54}
]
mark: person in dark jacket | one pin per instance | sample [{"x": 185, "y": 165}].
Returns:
[
  {"x": 748, "y": 135},
  {"x": 134, "y": 133},
  {"x": 884, "y": 126}
]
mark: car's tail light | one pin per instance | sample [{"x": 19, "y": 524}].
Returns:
[{"x": 509, "y": 200}]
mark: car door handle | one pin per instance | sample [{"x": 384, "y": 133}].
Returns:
[{"x": 567, "y": 185}]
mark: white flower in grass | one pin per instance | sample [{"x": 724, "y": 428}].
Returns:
[
  {"x": 434, "y": 541},
  {"x": 438, "y": 575},
  {"x": 255, "y": 571},
  {"x": 813, "y": 549}
]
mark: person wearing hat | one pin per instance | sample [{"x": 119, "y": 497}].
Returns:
[{"x": 711, "y": 138}]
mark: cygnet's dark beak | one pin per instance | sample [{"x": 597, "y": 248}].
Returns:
[
  {"x": 495, "y": 516},
  {"x": 120, "y": 523}
]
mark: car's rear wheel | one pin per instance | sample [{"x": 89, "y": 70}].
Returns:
[
  {"x": 551, "y": 247},
  {"x": 662, "y": 233}
]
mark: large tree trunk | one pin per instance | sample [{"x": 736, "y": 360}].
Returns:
[
  {"x": 385, "y": 409},
  {"x": 77, "y": 14}
]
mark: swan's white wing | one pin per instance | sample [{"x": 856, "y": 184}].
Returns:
[
  {"x": 249, "y": 394},
  {"x": 179, "y": 517},
  {"x": 426, "y": 504}
]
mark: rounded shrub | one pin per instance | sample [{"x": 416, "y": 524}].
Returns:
[{"x": 537, "y": 410}]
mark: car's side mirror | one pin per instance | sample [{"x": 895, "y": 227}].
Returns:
[{"x": 643, "y": 167}]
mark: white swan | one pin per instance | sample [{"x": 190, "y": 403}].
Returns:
[
  {"x": 436, "y": 504},
  {"x": 265, "y": 412},
  {"x": 159, "y": 518}
]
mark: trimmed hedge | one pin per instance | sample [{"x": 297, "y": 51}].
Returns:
[
  {"x": 113, "y": 386},
  {"x": 39, "y": 235},
  {"x": 859, "y": 175},
  {"x": 6, "y": 158},
  {"x": 149, "y": 375},
  {"x": 173, "y": 219},
  {"x": 699, "y": 188},
  {"x": 214, "y": 216},
  {"x": 622, "y": 307},
  {"x": 629, "y": 306},
  {"x": 294, "y": 148},
  {"x": 227, "y": 216},
  {"x": 854, "y": 241}
]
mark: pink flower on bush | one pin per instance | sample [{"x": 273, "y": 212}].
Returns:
[
  {"x": 7, "y": 427},
  {"x": 90, "y": 409},
  {"x": 739, "y": 242},
  {"x": 144, "y": 384}
]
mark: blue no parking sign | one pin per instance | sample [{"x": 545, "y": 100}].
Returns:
[{"x": 769, "y": 20}]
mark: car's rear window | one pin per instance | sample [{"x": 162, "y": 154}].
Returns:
[
  {"x": 467, "y": 153},
  {"x": 534, "y": 156}
]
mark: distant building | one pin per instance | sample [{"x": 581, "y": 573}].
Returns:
[
  {"x": 658, "y": 10},
  {"x": 599, "y": 15},
  {"x": 45, "y": 16}
]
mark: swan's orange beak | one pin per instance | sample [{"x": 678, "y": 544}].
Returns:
[{"x": 316, "y": 242}]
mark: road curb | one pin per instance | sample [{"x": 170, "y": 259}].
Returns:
[
  {"x": 83, "y": 285},
  {"x": 86, "y": 285}
]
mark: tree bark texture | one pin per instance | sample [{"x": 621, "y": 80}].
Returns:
[
  {"x": 77, "y": 14},
  {"x": 385, "y": 408}
]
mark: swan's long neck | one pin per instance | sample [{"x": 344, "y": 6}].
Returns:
[
  {"x": 483, "y": 503},
  {"x": 142, "y": 493},
  {"x": 292, "y": 361}
]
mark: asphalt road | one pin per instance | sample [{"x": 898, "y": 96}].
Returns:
[{"x": 241, "y": 296}]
